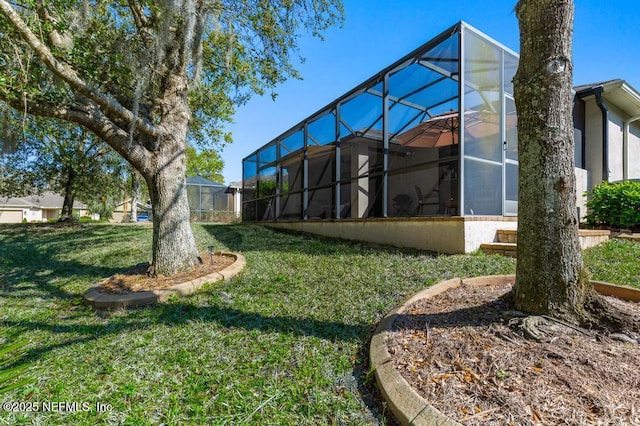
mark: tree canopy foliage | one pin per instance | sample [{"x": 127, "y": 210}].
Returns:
[
  {"x": 145, "y": 76},
  {"x": 116, "y": 56},
  {"x": 206, "y": 163},
  {"x": 66, "y": 159}
]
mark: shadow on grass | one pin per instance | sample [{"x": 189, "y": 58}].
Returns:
[
  {"x": 176, "y": 314},
  {"x": 224, "y": 317},
  {"x": 246, "y": 238},
  {"x": 31, "y": 269},
  {"x": 29, "y": 265}
]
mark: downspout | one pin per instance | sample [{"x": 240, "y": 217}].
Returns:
[
  {"x": 605, "y": 134},
  {"x": 625, "y": 146}
]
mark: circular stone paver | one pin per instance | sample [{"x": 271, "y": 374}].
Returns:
[
  {"x": 116, "y": 301},
  {"x": 408, "y": 407}
]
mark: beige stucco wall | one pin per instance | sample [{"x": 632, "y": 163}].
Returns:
[
  {"x": 633, "y": 158},
  {"x": 50, "y": 214},
  {"x": 444, "y": 235},
  {"x": 593, "y": 141},
  {"x": 582, "y": 181},
  {"x": 616, "y": 152},
  {"x": 593, "y": 144},
  {"x": 117, "y": 216}
]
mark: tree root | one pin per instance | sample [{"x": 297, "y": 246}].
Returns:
[
  {"x": 151, "y": 271},
  {"x": 543, "y": 328},
  {"x": 597, "y": 314},
  {"x": 604, "y": 316}
]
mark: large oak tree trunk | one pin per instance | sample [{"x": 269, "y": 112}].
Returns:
[
  {"x": 174, "y": 247},
  {"x": 550, "y": 278}
]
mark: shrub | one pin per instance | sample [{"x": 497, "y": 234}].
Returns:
[
  {"x": 87, "y": 219},
  {"x": 614, "y": 204}
]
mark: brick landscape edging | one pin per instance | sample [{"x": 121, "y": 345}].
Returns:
[
  {"x": 116, "y": 301},
  {"x": 408, "y": 407}
]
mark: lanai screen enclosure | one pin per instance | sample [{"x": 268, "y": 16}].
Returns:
[{"x": 434, "y": 134}]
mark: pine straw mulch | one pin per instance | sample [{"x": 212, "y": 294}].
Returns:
[
  {"x": 137, "y": 279},
  {"x": 459, "y": 353}
]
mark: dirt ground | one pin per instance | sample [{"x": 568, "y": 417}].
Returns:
[
  {"x": 458, "y": 351},
  {"x": 136, "y": 278}
]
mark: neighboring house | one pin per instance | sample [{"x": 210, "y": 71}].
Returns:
[
  {"x": 606, "y": 120},
  {"x": 36, "y": 208},
  {"x": 123, "y": 210},
  {"x": 394, "y": 160},
  {"x": 210, "y": 201},
  {"x": 235, "y": 189},
  {"x": 14, "y": 210}
]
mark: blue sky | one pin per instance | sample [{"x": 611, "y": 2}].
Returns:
[{"x": 376, "y": 33}]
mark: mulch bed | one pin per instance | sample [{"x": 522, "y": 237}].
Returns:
[
  {"x": 136, "y": 279},
  {"x": 458, "y": 352}
]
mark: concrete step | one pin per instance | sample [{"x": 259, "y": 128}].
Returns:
[
  {"x": 505, "y": 249},
  {"x": 507, "y": 235},
  {"x": 507, "y": 239},
  {"x": 588, "y": 237}
]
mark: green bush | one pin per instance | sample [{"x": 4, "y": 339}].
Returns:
[
  {"x": 614, "y": 204},
  {"x": 88, "y": 219}
]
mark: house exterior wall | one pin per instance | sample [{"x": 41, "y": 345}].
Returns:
[
  {"x": 633, "y": 156},
  {"x": 621, "y": 155},
  {"x": 237, "y": 204},
  {"x": 33, "y": 215},
  {"x": 44, "y": 214},
  {"x": 618, "y": 161},
  {"x": 117, "y": 216},
  {"x": 479, "y": 230},
  {"x": 50, "y": 214},
  {"x": 593, "y": 142},
  {"x": 444, "y": 235},
  {"x": 616, "y": 152},
  {"x": 582, "y": 184}
]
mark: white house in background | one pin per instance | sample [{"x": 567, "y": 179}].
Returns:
[
  {"x": 36, "y": 208},
  {"x": 607, "y": 133}
]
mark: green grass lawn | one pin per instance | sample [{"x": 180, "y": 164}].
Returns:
[{"x": 284, "y": 342}]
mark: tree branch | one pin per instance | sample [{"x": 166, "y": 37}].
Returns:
[
  {"x": 143, "y": 24},
  {"x": 44, "y": 109},
  {"x": 92, "y": 118},
  {"x": 69, "y": 75}
]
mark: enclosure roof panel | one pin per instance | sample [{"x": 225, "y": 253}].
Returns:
[{"x": 199, "y": 180}]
